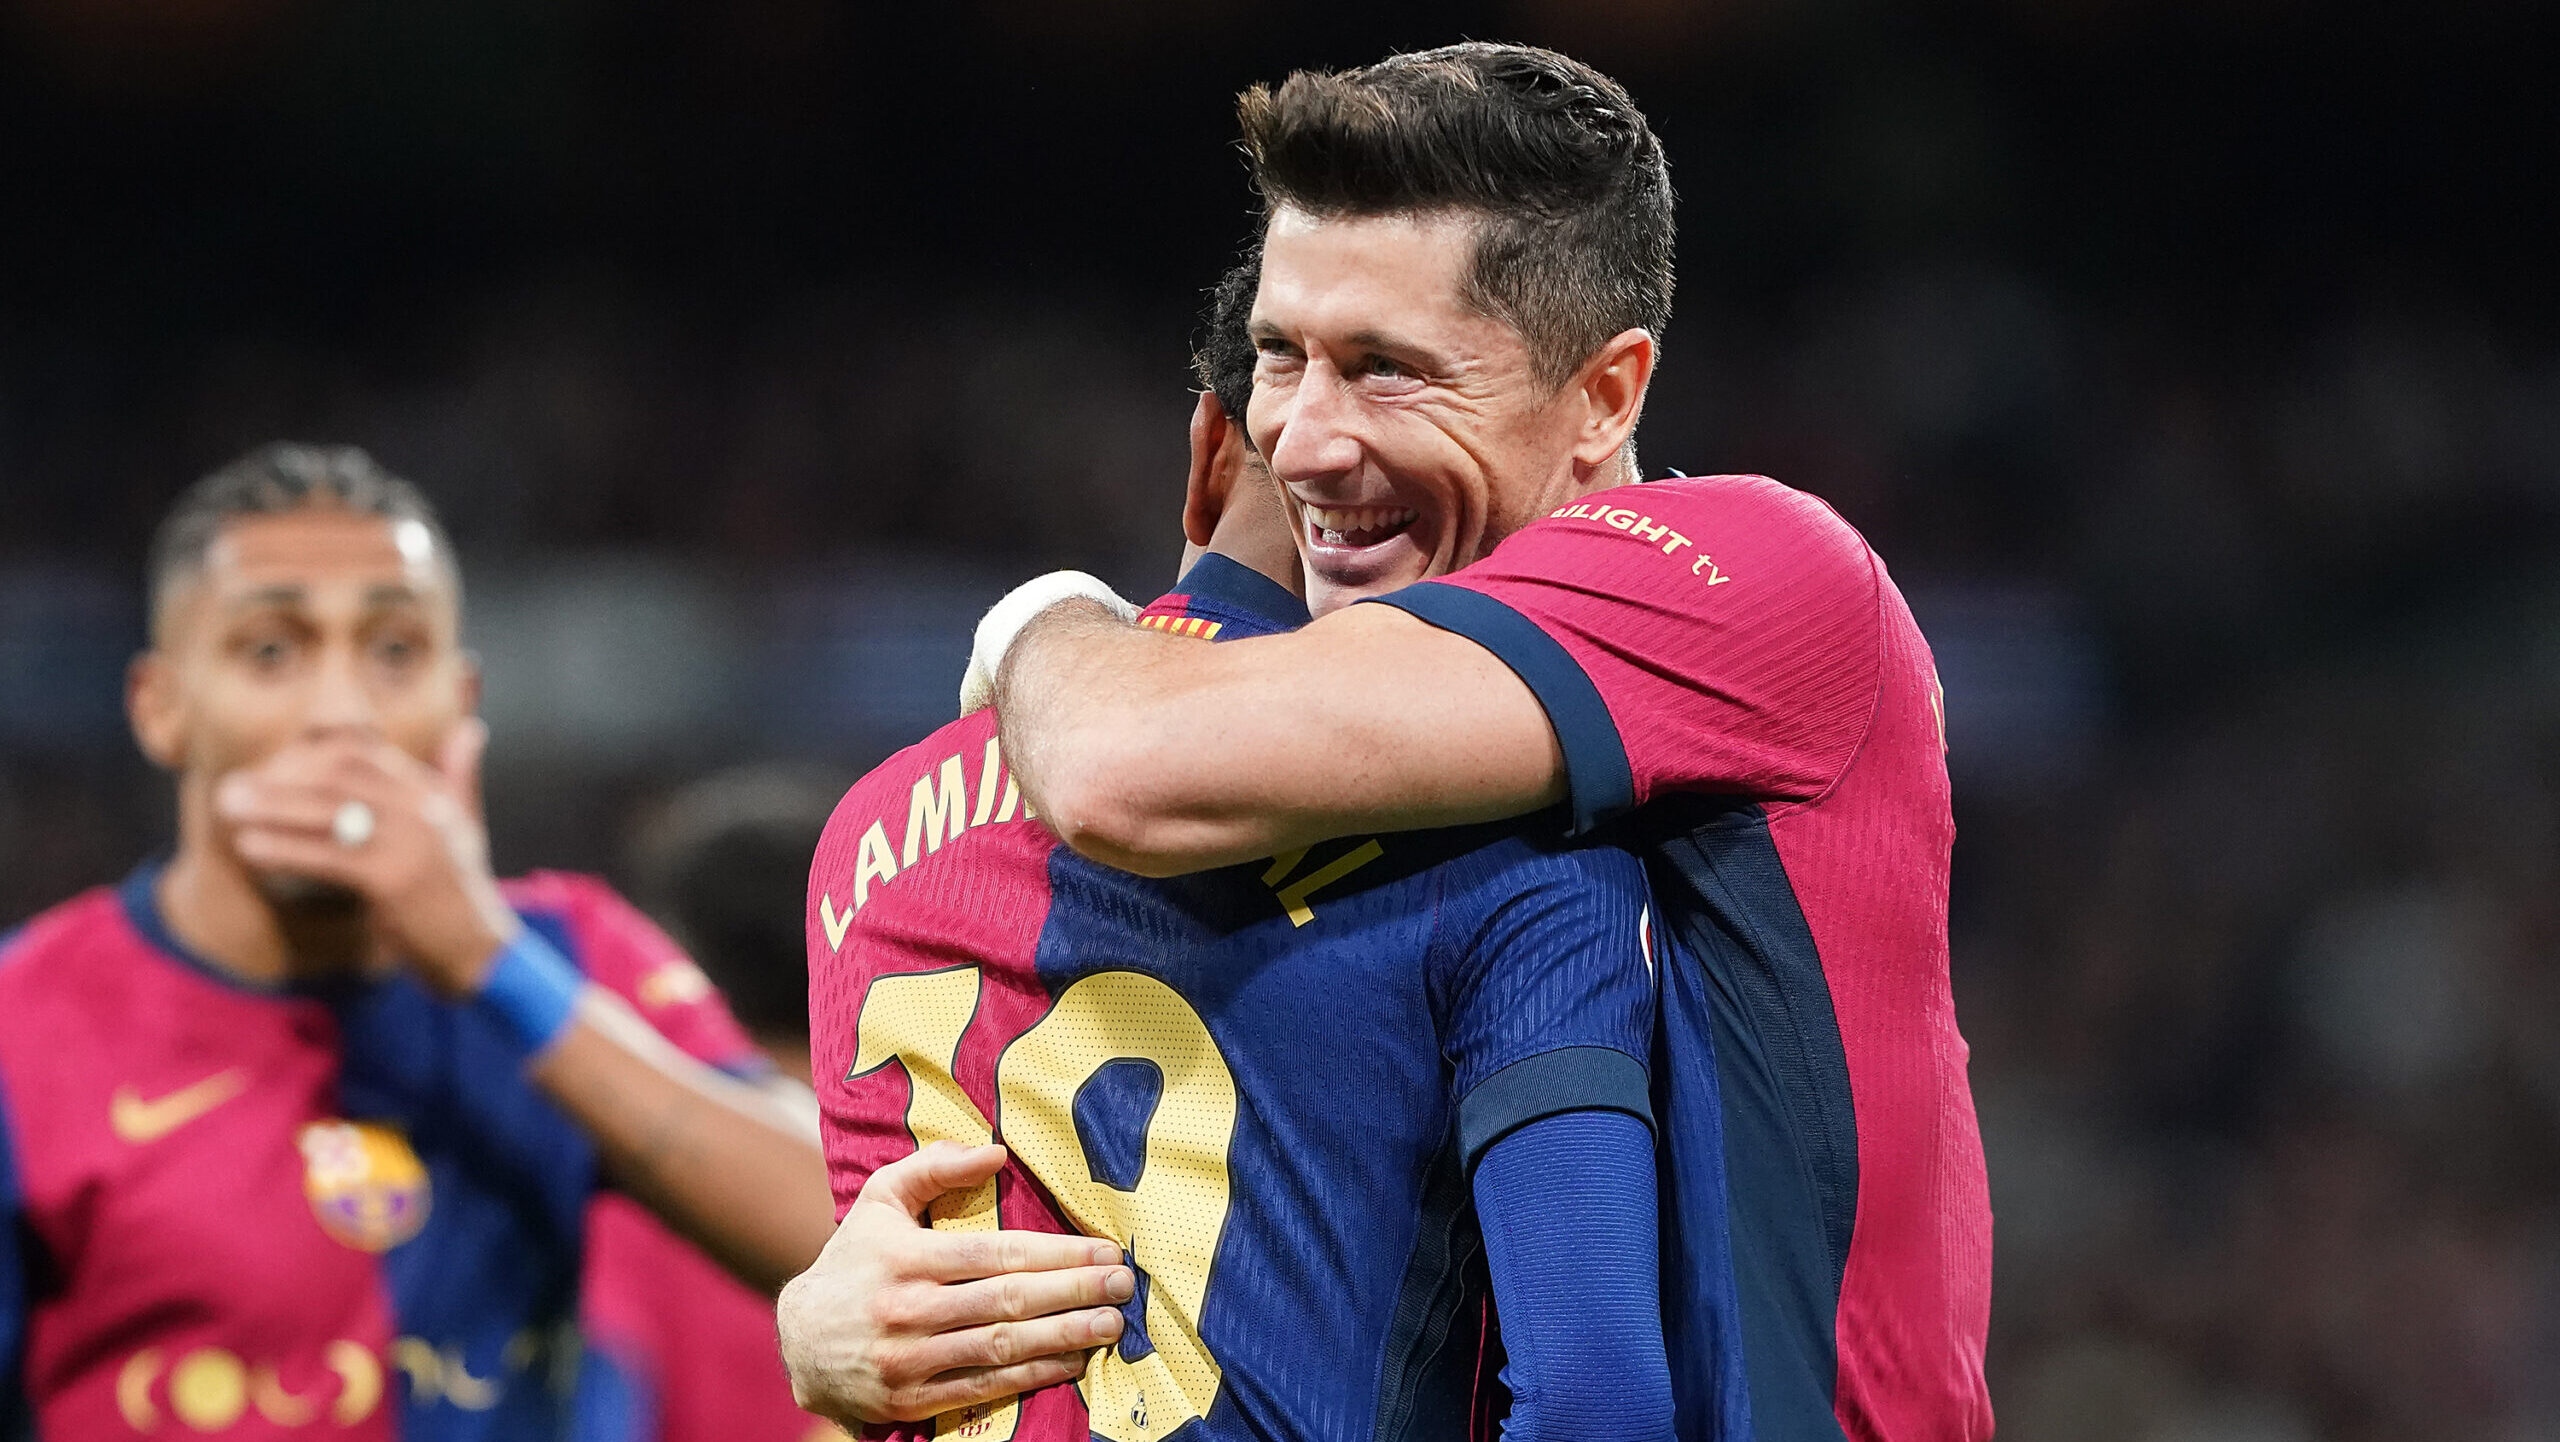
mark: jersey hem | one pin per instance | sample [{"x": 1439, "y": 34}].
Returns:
[{"x": 1568, "y": 1079}]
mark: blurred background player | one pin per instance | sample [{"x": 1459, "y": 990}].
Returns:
[
  {"x": 298, "y": 1126},
  {"x": 676, "y": 1349}
]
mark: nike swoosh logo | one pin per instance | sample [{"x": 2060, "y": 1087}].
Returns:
[
  {"x": 138, "y": 1121},
  {"x": 834, "y": 924}
]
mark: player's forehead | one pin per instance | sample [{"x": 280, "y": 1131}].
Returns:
[
  {"x": 324, "y": 552},
  {"x": 1350, "y": 274}
]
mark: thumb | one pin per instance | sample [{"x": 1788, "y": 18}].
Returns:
[
  {"x": 911, "y": 1183},
  {"x": 458, "y": 761}
]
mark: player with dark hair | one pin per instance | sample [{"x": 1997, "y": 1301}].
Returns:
[
  {"x": 676, "y": 1350},
  {"x": 1466, "y": 269},
  {"x": 298, "y": 1127},
  {"x": 1279, "y": 1086}
]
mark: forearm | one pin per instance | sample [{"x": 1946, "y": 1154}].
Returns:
[
  {"x": 1162, "y": 756},
  {"x": 1581, "y": 1320},
  {"x": 723, "y": 1162}
]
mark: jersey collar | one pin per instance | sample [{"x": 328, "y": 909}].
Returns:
[
  {"x": 140, "y": 897},
  {"x": 1249, "y": 602}
]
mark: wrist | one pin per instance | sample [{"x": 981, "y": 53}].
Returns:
[
  {"x": 1005, "y": 620},
  {"x": 530, "y": 990}
]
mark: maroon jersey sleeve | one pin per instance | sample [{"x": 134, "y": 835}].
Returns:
[
  {"x": 624, "y": 952},
  {"x": 1716, "y": 635}
]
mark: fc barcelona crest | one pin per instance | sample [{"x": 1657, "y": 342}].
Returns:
[{"x": 366, "y": 1185}]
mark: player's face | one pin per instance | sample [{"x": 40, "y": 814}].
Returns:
[
  {"x": 1408, "y": 431},
  {"x": 302, "y": 624}
]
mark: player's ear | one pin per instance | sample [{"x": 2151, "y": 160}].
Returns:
[
  {"x": 1611, "y": 388},
  {"x": 1204, "y": 494},
  {"x": 153, "y": 708}
]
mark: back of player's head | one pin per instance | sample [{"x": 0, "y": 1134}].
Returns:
[
  {"x": 725, "y": 867},
  {"x": 1575, "y": 244},
  {"x": 276, "y": 478},
  {"x": 1223, "y": 356}
]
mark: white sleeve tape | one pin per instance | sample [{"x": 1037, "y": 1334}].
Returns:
[{"x": 1006, "y": 618}]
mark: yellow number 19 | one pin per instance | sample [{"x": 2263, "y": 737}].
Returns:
[{"x": 1169, "y": 1223}]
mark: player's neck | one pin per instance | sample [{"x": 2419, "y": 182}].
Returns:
[{"x": 214, "y": 907}]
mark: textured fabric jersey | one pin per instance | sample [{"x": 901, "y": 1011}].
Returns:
[
  {"x": 300, "y": 1213},
  {"x": 677, "y": 1350},
  {"x": 1730, "y": 670},
  {"x": 1266, "y": 1082}
]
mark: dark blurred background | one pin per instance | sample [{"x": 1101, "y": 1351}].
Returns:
[{"x": 2195, "y": 365}]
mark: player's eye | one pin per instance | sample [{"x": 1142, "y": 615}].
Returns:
[
  {"x": 1379, "y": 365},
  {"x": 265, "y": 651},
  {"x": 1272, "y": 347}
]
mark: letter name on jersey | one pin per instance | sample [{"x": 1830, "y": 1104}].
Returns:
[
  {"x": 938, "y": 810},
  {"x": 1293, "y": 897}
]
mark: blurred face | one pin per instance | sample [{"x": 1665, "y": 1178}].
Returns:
[
  {"x": 1408, "y": 433},
  {"x": 315, "y": 621}
]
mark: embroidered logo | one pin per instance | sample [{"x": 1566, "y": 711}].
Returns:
[{"x": 367, "y": 1187}]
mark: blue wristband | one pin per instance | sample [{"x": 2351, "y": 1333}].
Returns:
[{"x": 532, "y": 991}]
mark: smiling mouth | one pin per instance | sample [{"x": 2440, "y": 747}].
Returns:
[{"x": 1357, "y": 527}]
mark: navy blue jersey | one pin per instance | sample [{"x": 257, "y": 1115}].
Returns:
[{"x": 1268, "y": 1082}]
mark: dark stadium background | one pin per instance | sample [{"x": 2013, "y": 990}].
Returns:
[{"x": 2195, "y": 365}]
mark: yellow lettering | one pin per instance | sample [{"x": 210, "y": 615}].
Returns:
[
  {"x": 872, "y": 865},
  {"x": 1171, "y": 1223},
  {"x": 932, "y": 811},
  {"x": 833, "y": 921},
  {"x": 1293, "y": 897},
  {"x": 1620, "y": 520},
  {"x": 916, "y": 1019}
]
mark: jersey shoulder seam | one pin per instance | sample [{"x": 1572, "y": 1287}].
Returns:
[{"x": 1875, "y": 693}]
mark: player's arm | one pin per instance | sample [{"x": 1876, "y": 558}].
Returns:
[
  {"x": 1492, "y": 692},
  {"x": 1161, "y": 757},
  {"x": 1541, "y": 958},
  {"x": 1568, "y": 1212},
  {"x": 724, "y": 1162}
]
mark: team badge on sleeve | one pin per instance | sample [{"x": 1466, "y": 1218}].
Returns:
[{"x": 367, "y": 1187}]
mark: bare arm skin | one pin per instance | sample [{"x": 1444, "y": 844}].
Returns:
[
  {"x": 724, "y": 1163},
  {"x": 1160, "y": 757}
]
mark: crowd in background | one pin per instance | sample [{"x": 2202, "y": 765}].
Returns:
[{"x": 2234, "y": 519}]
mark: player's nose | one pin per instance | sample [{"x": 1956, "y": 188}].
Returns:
[
  {"x": 340, "y": 701},
  {"x": 1318, "y": 429}
]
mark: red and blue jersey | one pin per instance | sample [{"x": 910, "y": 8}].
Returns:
[
  {"x": 1267, "y": 1082},
  {"x": 335, "y": 1210},
  {"x": 1737, "y": 683}
]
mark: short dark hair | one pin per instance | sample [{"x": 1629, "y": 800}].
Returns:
[
  {"x": 1576, "y": 239},
  {"x": 1223, "y": 355},
  {"x": 725, "y": 868},
  {"x": 276, "y": 478}
]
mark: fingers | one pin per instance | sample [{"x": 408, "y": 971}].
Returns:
[
  {"x": 1011, "y": 1344},
  {"x": 253, "y": 802},
  {"x": 269, "y": 849},
  {"x": 989, "y": 1384},
  {"x": 972, "y": 1256},
  {"x": 1025, "y": 1296},
  {"x": 911, "y": 1183},
  {"x": 458, "y": 761}
]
